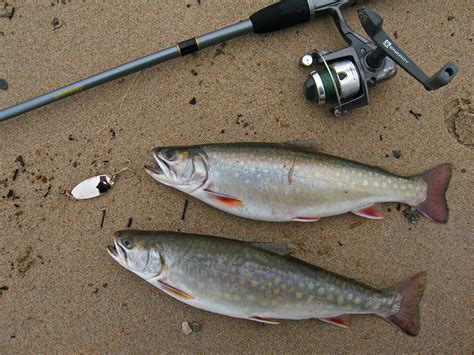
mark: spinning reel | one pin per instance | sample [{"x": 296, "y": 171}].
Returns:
[{"x": 344, "y": 76}]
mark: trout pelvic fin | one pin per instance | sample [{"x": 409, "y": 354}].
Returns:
[
  {"x": 306, "y": 219},
  {"x": 227, "y": 200},
  {"x": 175, "y": 292},
  {"x": 339, "y": 321},
  {"x": 371, "y": 212},
  {"x": 264, "y": 320}
]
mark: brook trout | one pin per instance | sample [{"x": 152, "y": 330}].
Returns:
[
  {"x": 281, "y": 183},
  {"x": 258, "y": 281}
]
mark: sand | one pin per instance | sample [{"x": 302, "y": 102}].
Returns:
[{"x": 61, "y": 292}]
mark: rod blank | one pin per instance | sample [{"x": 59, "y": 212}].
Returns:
[{"x": 204, "y": 41}]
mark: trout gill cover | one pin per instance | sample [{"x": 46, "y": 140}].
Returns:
[{"x": 258, "y": 281}]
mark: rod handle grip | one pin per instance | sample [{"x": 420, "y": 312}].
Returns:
[{"x": 280, "y": 15}]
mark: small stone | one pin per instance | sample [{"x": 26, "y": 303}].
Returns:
[
  {"x": 196, "y": 327},
  {"x": 19, "y": 160},
  {"x": 186, "y": 328},
  {"x": 417, "y": 115},
  {"x": 396, "y": 153},
  {"x": 412, "y": 215},
  {"x": 193, "y": 101},
  {"x": 3, "y": 84}
]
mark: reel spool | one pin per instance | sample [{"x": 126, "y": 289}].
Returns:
[{"x": 338, "y": 81}]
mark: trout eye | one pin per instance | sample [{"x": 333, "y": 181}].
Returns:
[
  {"x": 127, "y": 243},
  {"x": 169, "y": 155}
]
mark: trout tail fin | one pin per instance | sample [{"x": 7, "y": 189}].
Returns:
[
  {"x": 435, "y": 206},
  {"x": 407, "y": 316}
]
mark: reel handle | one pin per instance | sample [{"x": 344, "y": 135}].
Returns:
[{"x": 386, "y": 47}]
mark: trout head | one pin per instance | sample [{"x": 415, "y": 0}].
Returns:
[
  {"x": 185, "y": 169},
  {"x": 137, "y": 252}
]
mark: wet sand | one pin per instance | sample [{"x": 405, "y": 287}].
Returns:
[{"x": 61, "y": 292}]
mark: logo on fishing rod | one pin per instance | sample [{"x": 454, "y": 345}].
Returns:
[{"x": 389, "y": 45}]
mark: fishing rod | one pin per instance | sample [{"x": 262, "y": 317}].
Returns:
[
  {"x": 283, "y": 14},
  {"x": 275, "y": 17}
]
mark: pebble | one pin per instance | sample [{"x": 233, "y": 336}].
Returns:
[
  {"x": 196, "y": 327},
  {"x": 412, "y": 215},
  {"x": 3, "y": 84},
  {"x": 186, "y": 328}
]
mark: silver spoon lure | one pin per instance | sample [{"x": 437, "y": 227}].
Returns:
[{"x": 96, "y": 186}]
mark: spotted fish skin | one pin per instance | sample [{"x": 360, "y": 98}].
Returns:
[
  {"x": 248, "y": 281},
  {"x": 242, "y": 280},
  {"x": 280, "y": 183}
]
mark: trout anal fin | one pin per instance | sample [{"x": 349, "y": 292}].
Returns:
[
  {"x": 175, "y": 292},
  {"x": 264, "y": 320},
  {"x": 339, "y": 321},
  {"x": 371, "y": 212}
]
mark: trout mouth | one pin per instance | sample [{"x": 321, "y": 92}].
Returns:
[
  {"x": 159, "y": 168},
  {"x": 117, "y": 252}
]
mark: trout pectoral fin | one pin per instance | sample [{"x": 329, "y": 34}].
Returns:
[
  {"x": 306, "y": 219},
  {"x": 175, "y": 292},
  {"x": 264, "y": 320},
  {"x": 339, "y": 321},
  {"x": 371, "y": 212},
  {"x": 226, "y": 200}
]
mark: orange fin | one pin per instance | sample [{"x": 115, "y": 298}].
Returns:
[
  {"x": 264, "y": 320},
  {"x": 371, "y": 212},
  {"x": 306, "y": 219},
  {"x": 175, "y": 292},
  {"x": 227, "y": 200},
  {"x": 340, "y": 321}
]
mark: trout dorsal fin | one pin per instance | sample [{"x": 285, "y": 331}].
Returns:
[
  {"x": 277, "y": 248},
  {"x": 307, "y": 144}
]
